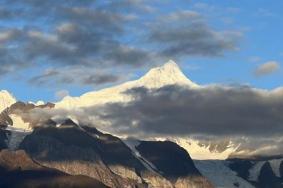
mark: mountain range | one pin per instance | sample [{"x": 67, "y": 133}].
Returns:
[{"x": 59, "y": 144}]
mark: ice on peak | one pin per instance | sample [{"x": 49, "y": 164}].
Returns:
[
  {"x": 171, "y": 64},
  {"x": 167, "y": 69},
  {"x": 6, "y": 100},
  {"x": 168, "y": 74},
  {"x": 6, "y": 94}
]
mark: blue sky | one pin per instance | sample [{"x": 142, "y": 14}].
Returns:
[{"x": 76, "y": 47}]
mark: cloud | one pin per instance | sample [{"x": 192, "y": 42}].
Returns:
[
  {"x": 211, "y": 111},
  {"x": 84, "y": 76},
  {"x": 185, "y": 33},
  {"x": 7, "y": 35},
  {"x": 79, "y": 33},
  {"x": 247, "y": 116},
  {"x": 267, "y": 68},
  {"x": 42, "y": 79},
  {"x": 101, "y": 35},
  {"x": 100, "y": 79},
  {"x": 5, "y": 14}
]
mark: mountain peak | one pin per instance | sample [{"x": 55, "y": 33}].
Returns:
[
  {"x": 167, "y": 74},
  {"x": 6, "y": 99},
  {"x": 170, "y": 64}
]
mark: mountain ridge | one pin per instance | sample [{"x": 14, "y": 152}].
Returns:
[{"x": 168, "y": 74}]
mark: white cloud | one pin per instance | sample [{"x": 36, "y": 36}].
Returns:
[{"x": 267, "y": 68}]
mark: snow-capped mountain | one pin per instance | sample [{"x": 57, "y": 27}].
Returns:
[
  {"x": 81, "y": 149},
  {"x": 168, "y": 74},
  {"x": 219, "y": 173},
  {"x": 206, "y": 151},
  {"x": 6, "y": 100}
]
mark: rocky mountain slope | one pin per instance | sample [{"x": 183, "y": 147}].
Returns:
[
  {"x": 262, "y": 173},
  {"x": 18, "y": 170},
  {"x": 76, "y": 149}
]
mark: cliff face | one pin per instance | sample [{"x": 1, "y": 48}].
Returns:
[
  {"x": 86, "y": 151},
  {"x": 174, "y": 163}
]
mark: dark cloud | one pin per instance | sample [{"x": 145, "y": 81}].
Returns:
[
  {"x": 129, "y": 55},
  {"x": 4, "y": 13},
  {"x": 9, "y": 35},
  {"x": 131, "y": 5},
  {"x": 100, "y": 79},
  {"x": 185, "y": 33},
  {"x": 100, "y": 34},
  {"x": 213, "y": 110},
  {"x": 34, "y": 10},
  {"x": 214, "y": 115},
  {"x": 84, "y": 76},
  {"x": 10, "y": 62},
  {"x": 80, "y": 34},
  {"x": 43, "y": 78},
  {"x": 39, "y": 45}
]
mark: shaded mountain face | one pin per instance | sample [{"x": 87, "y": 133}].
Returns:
[
  {"x": 161, "y": 155},
  {"x": 86, "y": 151},
  {"x": 243, "y": 173},
  {"x": 173, "y": 162},
  {"x": 221, "y": 175},
  {"x": 114, "y": 151},
  {"x": 259, "y": 172},
  {"x": 18, "y": 170},
  {"x": 4, "y": 138},
  {"x": 70, "y": 150}
]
